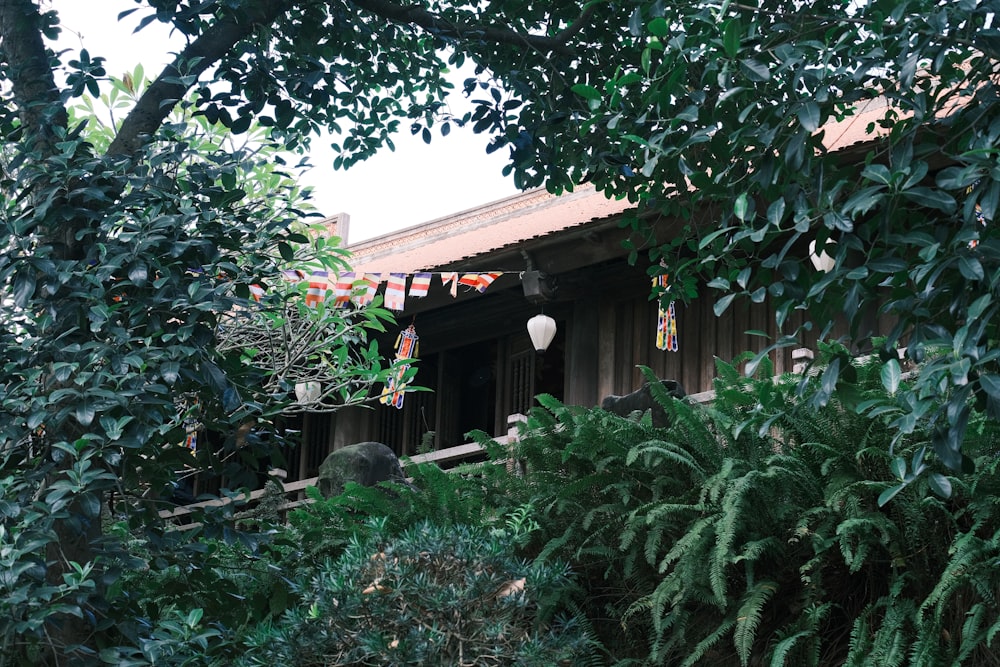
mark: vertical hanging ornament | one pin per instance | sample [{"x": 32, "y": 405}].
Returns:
[
  {"x": 980, "y": 218},
  {"x": 666, "y": 319},
  {"x": 407, "y": 347}
]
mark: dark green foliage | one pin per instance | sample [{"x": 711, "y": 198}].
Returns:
[
  {"x": 750, "y": 532},
  {"x": 433, "y": 595}
]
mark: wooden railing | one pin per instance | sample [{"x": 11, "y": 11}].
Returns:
[{"x": 294, "y": 492}]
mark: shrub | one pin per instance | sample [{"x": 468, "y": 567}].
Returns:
[
  {"x": 750, "y": 531},
  {"x": 441, "y": 595}
]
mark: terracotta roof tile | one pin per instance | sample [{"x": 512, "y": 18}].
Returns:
[{"x": 483, "y": 229}]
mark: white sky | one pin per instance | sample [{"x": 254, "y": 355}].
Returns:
[{"x": 416, "y": 183}]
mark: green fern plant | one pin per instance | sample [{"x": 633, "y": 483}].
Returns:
[{"x": 750, "y": 531}]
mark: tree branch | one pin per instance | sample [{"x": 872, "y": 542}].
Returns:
[
  {"x": 418, "y": 16},
  {"x": 34, "y": 87},
  {"x": 177, "y": 78}
]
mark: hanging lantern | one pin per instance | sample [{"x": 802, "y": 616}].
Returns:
[
  {"x": 822, "y": 261},
  {"x": 541, "y": 329},
  {"x": 308, "y": 392}
]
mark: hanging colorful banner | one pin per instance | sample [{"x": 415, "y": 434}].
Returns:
[
  {"x": 486, "y": 279},
  {"x": 395, "y": 291},
  {"x": 342, "y": 288},
  {"x": 419, "y": 285},
  {"x": 407, "y": 347},
  {"x": 318, "y": 284},
  {"x": 372, "y": 281},
  {"x": 451, "y": 277},
  {"x": 666, "y": 320}
]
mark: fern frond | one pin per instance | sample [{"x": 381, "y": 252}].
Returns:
[
  {"x": 702, "y": 647},
  {"x": 748, "y": 618}
]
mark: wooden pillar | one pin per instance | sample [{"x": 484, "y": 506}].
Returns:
[{"x": 582, "y": 353}]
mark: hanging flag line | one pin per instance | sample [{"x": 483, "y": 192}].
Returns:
[{"x": 360, "y": 287}]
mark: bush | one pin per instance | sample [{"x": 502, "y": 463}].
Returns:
[
  {"x": 434, "y": 595},
  {"x": 750, "y": 531}
]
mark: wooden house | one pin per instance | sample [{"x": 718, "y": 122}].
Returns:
[{"x": 561, "y": 255}]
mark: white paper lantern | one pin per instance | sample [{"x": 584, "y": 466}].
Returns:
[
  {"x": 821, "y": 261},
  {"x": 541, "y": 329},
  {"x": 307, "y": 392}
]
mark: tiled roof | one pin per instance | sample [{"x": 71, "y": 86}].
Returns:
[
  {"x": 508, "y": 221},
  {"x": 861, "y": 127},
  {"x": 536, "y": 213}
]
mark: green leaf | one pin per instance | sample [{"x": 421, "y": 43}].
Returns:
[
  {"x": 808, "y": 114},
  {"x": 891, "y": 375},
  {"x": 170, "y": 371},
  {"x": 977, "y": 307},
  {"x": 138, "y": 273},
  {"x": 740, "y": 207},
  {"x": 755, "y": 70},
  {"x": 939, "y": 484},
  {"x": 722, "y": 304},
  {"x": 890, "y": 493},
  {"x": 24, "y": 287},
  {"x": 708, "y": 238},
  {"x": 659, "y": 27},
  {"x": 878, "y": 173},
  {"x": 971, "y": 268},
  {"x": 931, "y": 198},
  {"x": 732, "y": 33},
  {"x": 286, "y": 251},
  {"x": 991, "y": 385},
  {"x": 635, "y": 22},
  {"x": 586, "y": 91},
  {"x": 84, "y": 412},
  {"x": 776, "y": 212},
  {"x": 898, "y": 467}
]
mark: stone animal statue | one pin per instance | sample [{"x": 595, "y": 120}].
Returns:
[
  {"x": 641, "y": 400},
  {"x": 366, "y": 463}
]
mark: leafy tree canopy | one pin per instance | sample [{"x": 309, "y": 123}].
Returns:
[
  {"x": 129, "y": 250},
  {"x": 121, "y": 256},
  {"x": 866, "y": 128}
]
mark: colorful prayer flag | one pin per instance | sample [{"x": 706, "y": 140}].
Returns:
[
  {"x": 318, "y": 285},
  {"x": 372, "y": 281},
  {"x": 395, "y": 291},
  {"x": 469, "y": 280},
  {"x": 486, "y": 279},
  {"x": 451, "y": 277},
  {"x": 419, "y": 285},
  {"x": 342, "y": 288}
]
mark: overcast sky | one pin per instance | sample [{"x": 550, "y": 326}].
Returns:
[{"x": 414, "y": 184}]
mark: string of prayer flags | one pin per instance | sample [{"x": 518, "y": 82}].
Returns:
[
  {"x": 318, "y": 284},
  {"x": 666, "y": 320},
  {"x": 395, "y": 291},
  {"x": 407, "y": 347},
  {"x": 342, "y": 288},
  {"x": 371, "y": 281},
  {"x": 420, "y": 284},
  {"x": 450, "y": 277},
  {"x": 256, "y": 292}
]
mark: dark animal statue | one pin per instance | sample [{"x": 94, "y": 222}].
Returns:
[{"x": 641, "y": 400}]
